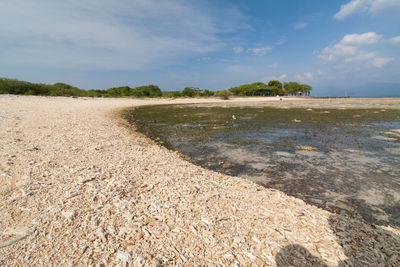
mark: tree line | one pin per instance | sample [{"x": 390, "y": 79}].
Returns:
[
  {"x": 273, "y": 88},
  {"x": 16, "y": 87}
]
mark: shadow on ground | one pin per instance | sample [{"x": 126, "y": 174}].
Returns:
[
  {"x": 297, "y": 255},
  {"x": 363, "y": 244}
]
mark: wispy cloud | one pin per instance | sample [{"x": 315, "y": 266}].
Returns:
[
  {"x": 306, "y": 20},
  {"x": 273, "y": 65},
  {"x": 394, "y": 40},
  {"x": 304, "y": 78},
  {"x": 117, "y": 35},
  {"x": 274, "y": 77},
  {"x": 372, "y": 7},
  {"x": 281, "y": 41},
  {"x": 263, "y": 50},
  {"x": 259, "y": 51},
  {"x": 217, "y": 59},
  {"x": 237, "y": 49},
  {"x": 300, "y": 25},
  {"x": 349, "y": 52}
]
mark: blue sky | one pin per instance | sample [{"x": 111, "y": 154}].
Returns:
[{"x": 335, "y": 46}]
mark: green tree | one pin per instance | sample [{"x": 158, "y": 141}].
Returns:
[
  {"x": 146, "y": 91},
  {"x": 223, "y": 93},
  {"x": 254, "y": 89},
  {"x": 306, "y": 89},
  {"x": 207, "y": 93},
  {"x": 235, "y": 91},
  {"x": 118, "y": 91},
  {"x": 96, "y": 93},
  {"x": 172, "y": 94},
  {"x": 63, "y": 89},
  {"x": 275, "y": 83},
  {"x": 291, "y": 88},
  {"x": 189, "y": 92}
]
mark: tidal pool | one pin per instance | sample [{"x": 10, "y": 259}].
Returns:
[{"x": 340, "y": 159}]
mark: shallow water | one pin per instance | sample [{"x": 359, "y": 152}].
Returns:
[{"x": 343, "y": 160}]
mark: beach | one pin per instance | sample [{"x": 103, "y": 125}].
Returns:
[{"x": 79, "y": 186}]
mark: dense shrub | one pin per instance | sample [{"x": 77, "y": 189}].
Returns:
[{"x": 16, "y": 87}]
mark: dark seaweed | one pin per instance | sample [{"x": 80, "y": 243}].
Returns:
[{"x": 342, "y": 160}]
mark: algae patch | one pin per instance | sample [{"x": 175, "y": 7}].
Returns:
[{"x": 330, "y": 157}]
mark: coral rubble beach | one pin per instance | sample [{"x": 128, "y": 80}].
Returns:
[{"x": 78, "y": 187}]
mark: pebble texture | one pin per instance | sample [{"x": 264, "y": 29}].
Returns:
[{"x": 79, "y": 188}]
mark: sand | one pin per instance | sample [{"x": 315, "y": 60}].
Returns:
[{"x": 79, "y": 187}]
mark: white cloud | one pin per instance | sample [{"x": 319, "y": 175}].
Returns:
[
  {"x": 361, "y": 39},
  {"x": 120, "y": 34},
  {"x": 217, "y": 59},
  {"x": 300, "y": 25},
  {"x": 372, "y": 7},
  {"x": 263, "y": 50},
  {"x": 354, "y": 6},
  {"x": 306, "y": 77},
  {"x": 237, "y": 49},
  {"x": 349, "y": 52},
  {"x": 379, "y": 61},
  {"x": 259, "y": 51},
  {"x": 394, "y": 40}
]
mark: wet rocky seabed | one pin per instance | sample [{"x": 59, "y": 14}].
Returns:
[{"x": 344, "y": 159}]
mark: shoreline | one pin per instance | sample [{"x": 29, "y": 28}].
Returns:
[{"x": 82, "y": 189}]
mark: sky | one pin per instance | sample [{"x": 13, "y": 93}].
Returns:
[{"x": 338, "y": 47}]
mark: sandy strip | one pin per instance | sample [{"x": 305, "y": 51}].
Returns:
[{"x": 77, "y": 187}]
